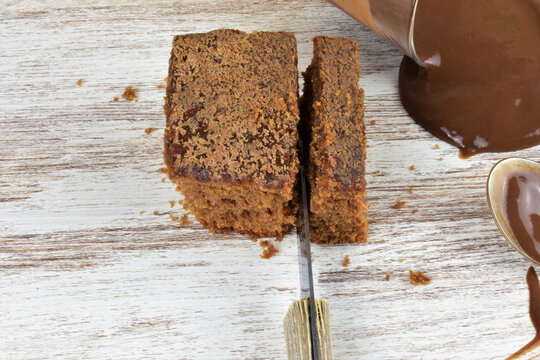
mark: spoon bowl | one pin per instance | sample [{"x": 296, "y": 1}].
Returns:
[{"x": 496, "y": 192}]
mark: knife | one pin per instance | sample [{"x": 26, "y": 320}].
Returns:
[{"x": 307, "y": 322}]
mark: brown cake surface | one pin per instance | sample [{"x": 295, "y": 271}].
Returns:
[
  {"x": 231, "y": 135},
  {"x": 334, "y": 124}
]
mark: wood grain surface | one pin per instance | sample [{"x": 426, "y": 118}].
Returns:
[{"x": 84, "y": 275}]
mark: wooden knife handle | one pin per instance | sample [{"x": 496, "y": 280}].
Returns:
[{"x": 297, "y": 331}]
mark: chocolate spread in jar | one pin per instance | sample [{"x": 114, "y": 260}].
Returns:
[
  {"x": 521, "y": 208},
  {"x": 480, "y": 88}
]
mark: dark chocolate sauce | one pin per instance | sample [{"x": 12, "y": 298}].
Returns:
[
  {"x": 534, "y": 311},
  {"x": 521, "y": 208},
  {"x": 480, "y": 88}
]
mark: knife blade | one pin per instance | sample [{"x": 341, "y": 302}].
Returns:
[{"x": 305, "y": 268}]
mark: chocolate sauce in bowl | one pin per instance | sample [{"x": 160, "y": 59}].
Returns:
[
  {"x": 480, "y": 88},
  {"x": 521, "y": 208}
]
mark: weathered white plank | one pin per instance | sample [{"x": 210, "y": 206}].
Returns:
[{"x": 84, "y": 275}]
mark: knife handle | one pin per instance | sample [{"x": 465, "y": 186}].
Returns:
[{"x": 297, "y": 331}]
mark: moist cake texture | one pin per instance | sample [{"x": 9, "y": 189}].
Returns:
[
  {"x": 231, "y": 135},
  {"x": 333, "y": 123}
]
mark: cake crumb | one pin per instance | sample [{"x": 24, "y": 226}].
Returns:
[
  {"x": 156, "y": 212},
  {"x": 166, "y": 79},
  {"x": 372, "y": 122},
  {"x": 414, "y": 211},
  {"x": 160, "y": 86},
  {"x": 412, "y": 167},
  {"x": 115, "y": 98},
  {"x": 399, "y": 204},
  {"x": 254, "y": 238},
  {"x": 441, "y": 159},
  {"x": 376, "y": 172},
  {"x": 268, "y": 249},
  {"x": 410, "y": 189},
  {"x": 172, "y": 203},
  {"x": 401, "y": 260},
  {"x": 359, "y": 267},
  {"x": 173, "y": 218},
  {"x": 79, "y": 82},
  {"x": 180, "y": 202},
  {"x": 162, "y": 170},
  {"x": 346, "y": 261},
  {"x": 387, "y": 277},
  {"x": 418, "y": 278},
  {"x": 436, "y": 146},
  {"x": 149, "y": 130},
  {"x": 141, "y": 212},
  {"x": 162, "y": 179},
  {"x": 130, "y": 94},
  {"x": 184, "y": 220}
]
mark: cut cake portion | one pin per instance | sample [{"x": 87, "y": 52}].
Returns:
[
  {"x": 231, "y": 136},
  {"x": 333, "y": 123}
]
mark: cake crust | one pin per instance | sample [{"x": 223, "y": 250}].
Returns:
[{"x": 231, "y": 108}]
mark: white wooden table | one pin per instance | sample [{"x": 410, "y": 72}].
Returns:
[{"x": 84, "y": 275}]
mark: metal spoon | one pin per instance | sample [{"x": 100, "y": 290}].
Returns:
[{"x": 496, "y": 196}]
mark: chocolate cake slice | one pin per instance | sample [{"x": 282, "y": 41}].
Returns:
[
  {"x": 333, "y": 122},
  {"x": 231, "y": 136}
]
